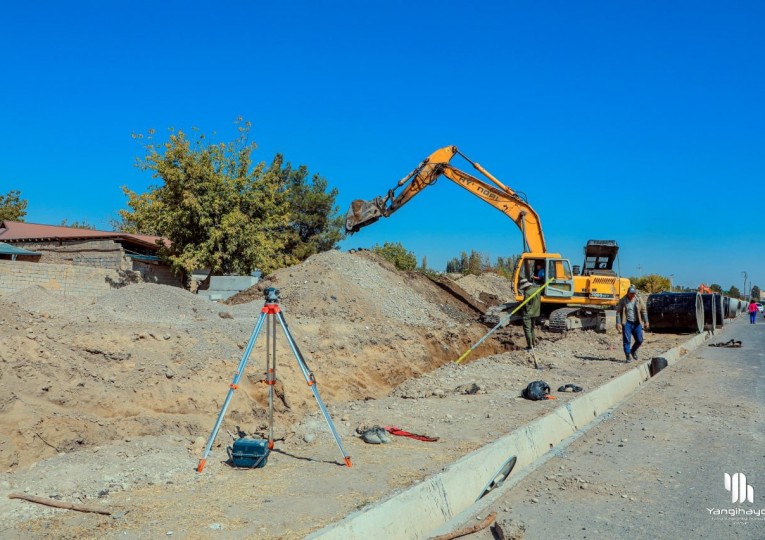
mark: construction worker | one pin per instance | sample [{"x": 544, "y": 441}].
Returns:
[
  {"x": 632, "y": 313},
  {"x": 531, "y": 311},
  {"x": 539, "y": 273}
]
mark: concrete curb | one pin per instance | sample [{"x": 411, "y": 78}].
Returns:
[{"x": 418, "y": 511}]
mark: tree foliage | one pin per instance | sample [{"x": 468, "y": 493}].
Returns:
[
  {"x": 733, "y": 292},
  {"x": 476, "y": 263},
  {"x": 652, "y": 283},
  {"x": 755, "y": 293},
  {"x": 397, "y": 254},
  {"x": 12, "y": 206},
  {"x": 77, "y": 224},
  {"x": 219, "y": 210}
]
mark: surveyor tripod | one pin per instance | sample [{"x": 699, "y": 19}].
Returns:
[{"x": 271, "y": 313}]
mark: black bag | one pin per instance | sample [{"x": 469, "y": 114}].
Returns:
[{"x": 536, "y": 390}]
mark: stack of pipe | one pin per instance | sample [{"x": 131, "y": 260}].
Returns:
[
  {"x": 709, "y": 311},
  {"x": 676, "y": 312},
  {"x": 719, "y": 314}
]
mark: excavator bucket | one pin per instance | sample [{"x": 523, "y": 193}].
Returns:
[{"x": 363, "y": 213}]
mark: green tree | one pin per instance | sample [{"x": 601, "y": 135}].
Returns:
[
  {"x": 716, "y": 288},
  {"x": 221, "y": 211},
  {"x": 755, "y": 292},
  {"x": 424, "y": 265},
  {"x": 314, "y": 221},
  {"x": 464, "y": 262},
  {"x": 475, "y": 264},
  {"x": 651, "y": 283},
  {"x": 453, "y": 266},
  {"x": 734, "y": 292},
  {"x": 397, "y": 254},
  {"x": 12, "y": 206},
  {"x": 77, "y": 225}
]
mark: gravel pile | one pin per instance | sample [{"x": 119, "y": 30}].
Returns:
[{"x": 487, "y": 283}]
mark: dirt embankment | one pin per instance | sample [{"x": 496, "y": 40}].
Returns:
[
  {"x": 110, "y": 401},
  {"x": 146, "y": 359}
]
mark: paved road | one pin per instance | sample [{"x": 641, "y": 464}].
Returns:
[{"x": 656, "y": 468}]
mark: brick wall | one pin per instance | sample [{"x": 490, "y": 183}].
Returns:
[
  {"x": 156, "y": 273},
  {"x": 101, "y": 253},
  {"x": 65, "y": 279}
]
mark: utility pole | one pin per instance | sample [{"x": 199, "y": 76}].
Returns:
[{"x": 744, "y": 290}]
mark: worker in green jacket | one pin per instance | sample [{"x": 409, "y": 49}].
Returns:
[{"x": 531, "y": 311}]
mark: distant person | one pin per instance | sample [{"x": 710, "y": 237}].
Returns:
[
  {"x": 539, "y": 273},
  {"x": 752, "y": 312},
  {"x": 631, "y": 316},
  {"x": 531, "y": 311}
]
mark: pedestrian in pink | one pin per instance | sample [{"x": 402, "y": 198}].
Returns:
[{"x": 752, "y": 311}]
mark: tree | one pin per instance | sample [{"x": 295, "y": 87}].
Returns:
[
  {"x": 77, "y": 225},
  {"x": 716, "y": 288},
  {"x": 734, "y": 292},
  {"x": 397, "y": 254},
  {"x": 12, "y": 206},
  {"x": 424, "y": 265},
  {"x": 475, "y": 264},
  {"x": 651, "y": 283},
  {"x": 755, "y": 292},
  {"x": 315, "y": 224},
  {"x": 220, "y": 211}
]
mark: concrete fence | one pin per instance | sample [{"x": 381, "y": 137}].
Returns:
[{"x": 59, "y": 278}]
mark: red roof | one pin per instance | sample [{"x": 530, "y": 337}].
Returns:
[{"x": 15, "y": 231}]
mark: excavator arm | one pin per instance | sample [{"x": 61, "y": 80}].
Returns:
[{"x": 507, "y": 201}]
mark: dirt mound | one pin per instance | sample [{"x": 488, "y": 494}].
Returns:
[
  {"x": 149, "y": 359},
  {"x": 110, "y": 401}
]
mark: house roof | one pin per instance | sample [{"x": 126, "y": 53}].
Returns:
[
  {"x": 15, "y": 231},
  {"x": 7, "y": 249}
]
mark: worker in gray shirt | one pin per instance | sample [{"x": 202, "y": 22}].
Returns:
[{"x": 631, "y": 317}]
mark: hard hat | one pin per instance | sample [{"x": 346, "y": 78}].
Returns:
[
  {"x": 632, "y": 290},
  {"x": 524, "y": 284}
]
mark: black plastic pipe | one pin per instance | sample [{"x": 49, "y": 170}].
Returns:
[{"x": 677, "y": 312}]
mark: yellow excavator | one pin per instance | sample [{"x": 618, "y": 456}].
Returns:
[{"x": 575, "y": 298}]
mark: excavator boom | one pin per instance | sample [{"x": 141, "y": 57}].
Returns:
[{"x": 507, "y": 201}]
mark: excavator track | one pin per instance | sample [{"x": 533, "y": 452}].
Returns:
[{"x": 564, "y": 319}]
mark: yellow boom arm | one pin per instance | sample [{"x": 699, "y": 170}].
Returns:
[{"x": 504, "y": 199}]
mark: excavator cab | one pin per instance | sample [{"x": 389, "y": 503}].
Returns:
[{"x": 540, "y": 267}]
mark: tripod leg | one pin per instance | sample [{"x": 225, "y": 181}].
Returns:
[
  {"x": 232, "y": 387},
  {"x": 271, "y": 377},
  {"x": 311, "y": 380}
]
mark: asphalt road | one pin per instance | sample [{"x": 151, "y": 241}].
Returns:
[{"x": 655, "y": 468}]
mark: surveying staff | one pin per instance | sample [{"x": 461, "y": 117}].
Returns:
[
  {"x": 632, "y": 312},
  {"x": 531, "y": 311}
]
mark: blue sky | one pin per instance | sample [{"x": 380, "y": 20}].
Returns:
[{"x": 641, "y": 122}]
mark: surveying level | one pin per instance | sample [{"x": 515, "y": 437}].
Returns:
[{"x": 270, "y": 313}]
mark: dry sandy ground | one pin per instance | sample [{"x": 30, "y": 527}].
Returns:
[{"x": 109, "y": 402}]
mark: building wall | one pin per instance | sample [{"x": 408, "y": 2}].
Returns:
[
  {"x": 100, "y": 253},
  {"x": 60, "y": 278},
  {"x": 68, "y": 279},
  {"x": 157, "y": 273}
]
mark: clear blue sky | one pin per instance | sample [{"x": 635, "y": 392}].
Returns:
[{"x": 641, "y": 122}]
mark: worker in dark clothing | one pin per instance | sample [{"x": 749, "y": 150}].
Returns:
[
  {"x": 539, "y": 273},
  {"x": 631, "y": 317},
  {"x": 531, "y": 311}
]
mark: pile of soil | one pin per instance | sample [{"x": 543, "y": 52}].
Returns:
[{"x": 111, "y": 400}]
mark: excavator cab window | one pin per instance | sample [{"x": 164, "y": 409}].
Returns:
[{"x": 562, "y": 284}]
